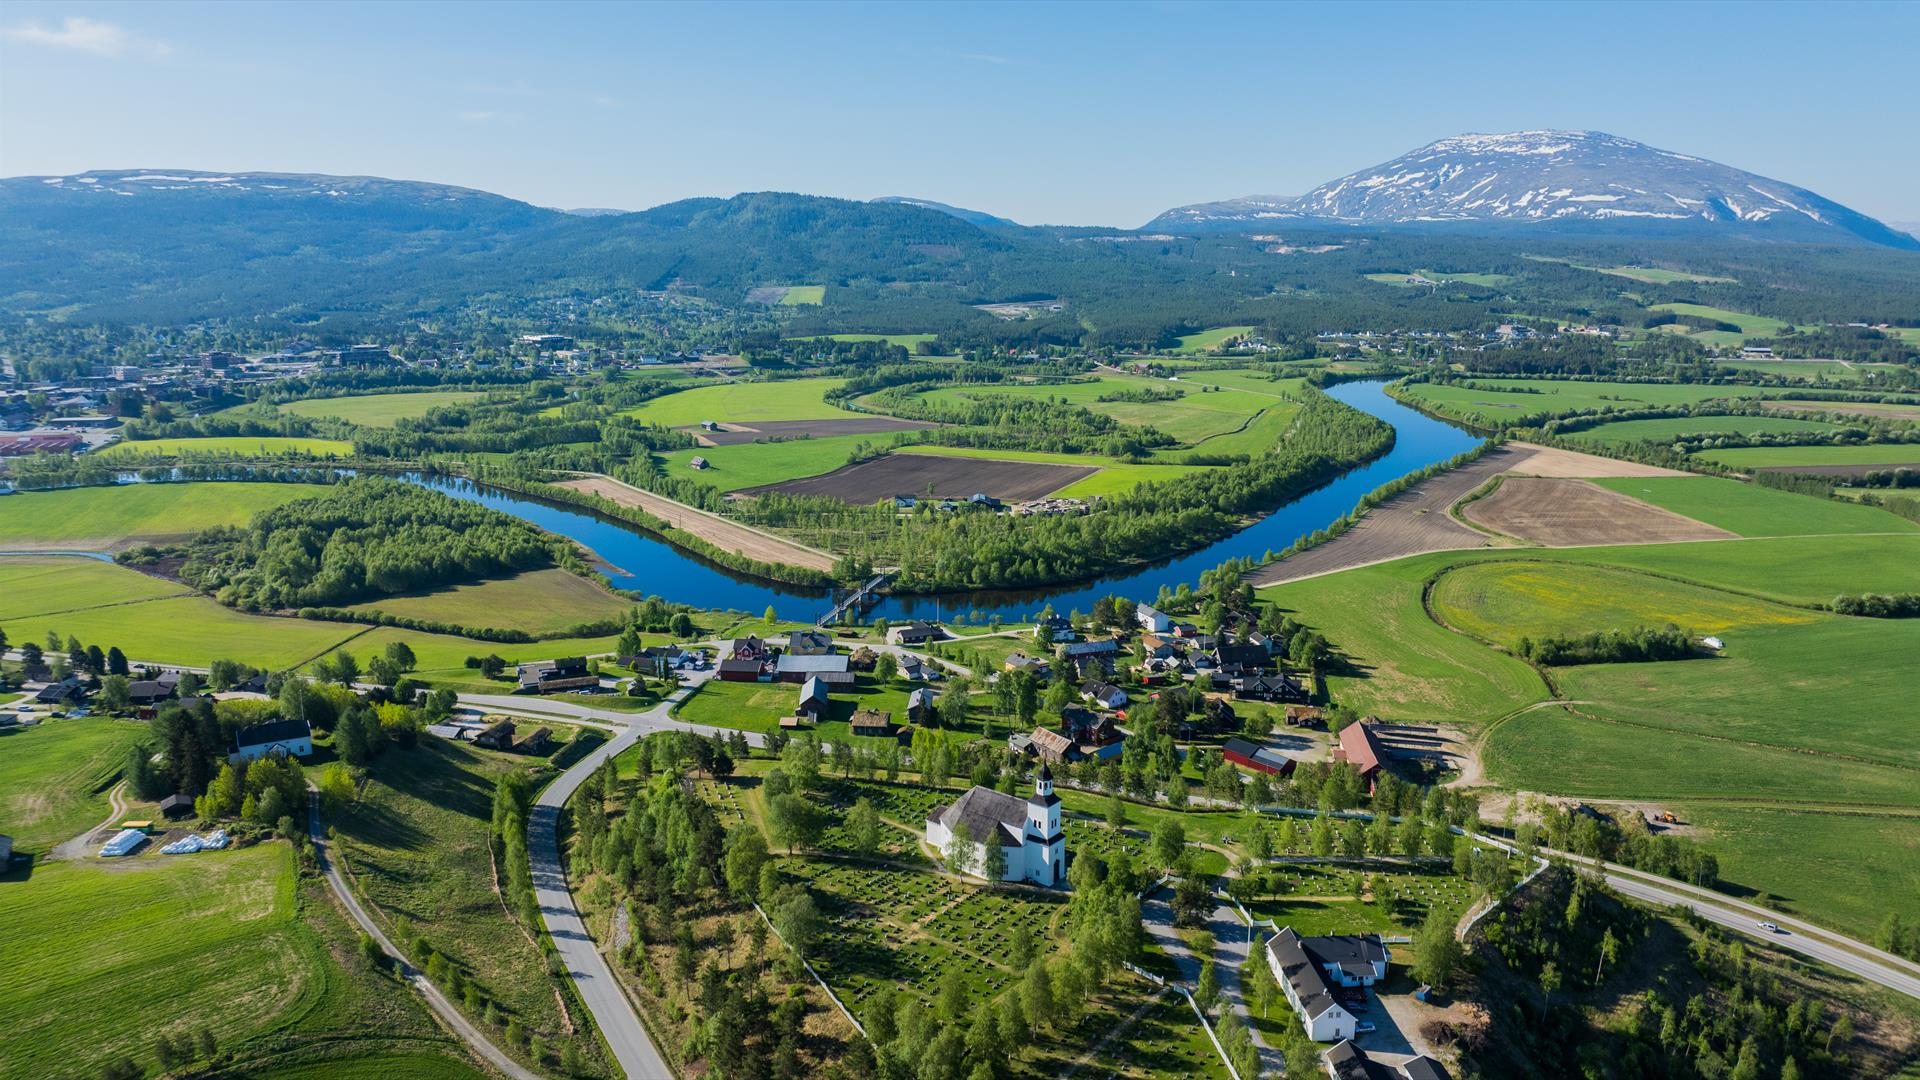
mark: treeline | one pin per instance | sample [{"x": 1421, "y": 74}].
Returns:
[
  {"x": 364, "y": 538},
  {"x": 44, "y": 472},
  {"x": 1878, "y": 605},
  {"x": 1609, "y": 647}
]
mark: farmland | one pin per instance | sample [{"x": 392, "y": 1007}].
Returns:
[
  {"x": 797, "y": 295},
  {"x": 1886, "y": 455},
  {"x": 1751, "y": 326},
  {"x": 100, "y": 518},
  {"x": 755, "y": 464},
  {"x": 941, "y": 476},
  {"x": 1209, "y": 340},
  {"x": 1113, "y": 478},
  {"x": 444, "y": 655},
  {"x": 1500, "y": 402},
  {"x": 379, "y": 410},
  {"x": 1668, "y": 429},
  {"x": 540, "y": 602},
  {"x": 796, "y": 399},
  {"x": 54, "y": 778},
  {"x": 1871, "y": 409},
  {"x": 1756, "y": 511},
  {"x": 1561, "y": 512},
  {"x": 1421, "y": 278},
  {"x": 190, "y": 630},
  {"x": 1192, "y": 418},
  {"x": 229, "y": 447},
  {"x": 35, "y": 585}
]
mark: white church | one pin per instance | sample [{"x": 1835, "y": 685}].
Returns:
[{"x": 1029, "y": 831}]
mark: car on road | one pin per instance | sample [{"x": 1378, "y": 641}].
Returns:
[
  {"x": 1771, "y": 929},
  {"x": 1364, "y": 1027}
]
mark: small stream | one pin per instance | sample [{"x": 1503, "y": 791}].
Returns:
[{"x": 649, "y": 565}]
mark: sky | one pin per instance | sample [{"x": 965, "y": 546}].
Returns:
[{"x": 1083, "y": 113}]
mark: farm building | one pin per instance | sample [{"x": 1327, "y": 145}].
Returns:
[
  {"x": 1314, "y": 971},
  {"x": 1362, "y": 749},
  {"x": 549, "y": 676},
  {"x": 1027, "y": 830},
  {"x": 1348, "y": 1062},
  {"x": 920, "y": 704},
  {"x": 872, "y": 722},
  {"x": 536, "y": 743},
  {"x": 176, "y": 806},
  {"x": 813, "y": 701},
  {"x": 791, "y": 667},
  {"x": 915, "y": 633},
  {"x": 291, "y": 737},
  {"x": 497, "y": 737},
  {"x": 742, "y": 670},
  {"x": 1252, "y": 755}
]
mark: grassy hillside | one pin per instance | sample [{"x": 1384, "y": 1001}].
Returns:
[
  {"x": 54, "y": 778},
  {"x": 34, "y": 585},
  {"x": 539, "y": 602}
]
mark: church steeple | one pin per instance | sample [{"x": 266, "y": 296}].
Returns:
[{"x": 1043, "y": 786}]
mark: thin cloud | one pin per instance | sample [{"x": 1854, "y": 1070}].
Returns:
[{"x": 77, "y": 33}]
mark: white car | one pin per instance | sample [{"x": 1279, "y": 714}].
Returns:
[{"x": 1771, "y": 929}]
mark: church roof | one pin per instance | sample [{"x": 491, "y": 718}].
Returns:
[{"x": 985, "y": 812}]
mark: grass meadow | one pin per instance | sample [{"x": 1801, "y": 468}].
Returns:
[
  {"x": 190, "y": 630},
  {"x": 228, "y": 447},
  {"x": 1667, "y": 429},
  {"x": 1193, "y": 418},
  {"x": 540, "y": 602},
  {"x": 1751, "y": 510},
  {"x": 1208, "y": 340},
  {"x": 54, "y": 778},
  {"x": 1751, "y": 326},
  {"x": 1508, "y": 400},
  {"x": 37, "y": 585},
  {"x": 743, "y": 402},
  {"x": 1399, "y": 279},
  {"x": 1503, "y": 600},
  {"x": 1114, "y": 477},
  {"x": 379, "y": 410},
  {"x": 745, "y": 465},
  {"x": 97, "y": 518},
  {"x": 1762, "y": 457},
  {"x": 798, "y": 295},
  {"x": 1832, "y": 370}
]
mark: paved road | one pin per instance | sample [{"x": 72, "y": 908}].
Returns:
[
  {"x": 438, "y": 1001},
  {"x": 1232, "y": 942}
]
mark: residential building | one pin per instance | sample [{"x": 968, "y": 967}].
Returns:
[
  {"x": 1316, "y": 972},
  {"x": 872, "y": 722},
  {"x": 792, "y": 667},
  {"x": 921, "y": 704},
  {"x": 915, "y": 633},
  {"x": 291, "y": 737},
  {"x": 1104, "y": 694},
  {"x": 550, "y": 676},
  {"x": 813, "y": 701},
  {"x": 1151, "y": 619},
  {"x": 810, "y": 643},
  {"x": 149, "y": 691},
  {"x": 1278, "y": 687},
  {"x": 739, "y": 670},
  {"x": 1028, "y": 831},
  {"x": 1348, "y": 1062}
]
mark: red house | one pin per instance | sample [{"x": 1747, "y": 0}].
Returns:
[{"x": 1360, "y": 748}]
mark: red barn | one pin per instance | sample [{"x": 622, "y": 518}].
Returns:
[
  {"x": 1252, "y": 755},
  {"x": 1360, "y": 748}
]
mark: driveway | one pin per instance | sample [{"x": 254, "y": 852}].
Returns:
[{"x": 1233, "y": 940}]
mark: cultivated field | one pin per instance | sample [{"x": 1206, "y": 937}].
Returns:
[
  {"x": 946, "y": 477},
  {"x": 190, "y": 630},
  {"x": 737, "y": 432},
  {"x": 54, "y": 779},
  {"x": 797, "y": 295},
  {"x": 108, "y": 518},
  {"x": 757, "y": 464},
  {"x": 1756, "y": 511},
  {"x": 744, "y": 402},
  {"x": 1837, "y": 460},
  {"x": 1114, "y": 477},
  {"x": 1751, "y": 326},
  {"x": 540, "y": 602},
  {"x": 1667, "y": 429},
  {"x": 1194, "y": 417},
  {"x": 1407, "y": 279},
  {"x": 1889, "y": 410},
  {"x": 228, "y": 448},
  {"x": 1566, "y": 512},
  {"x": 712, "y": 528},
  {"x": 1508, "y": 400},
  {"x": 379, "y": 410},
  {"x": 1209, "y": 340},
  {"x": 1831, "y": 370},
  {"x": 37, "y": 585}
]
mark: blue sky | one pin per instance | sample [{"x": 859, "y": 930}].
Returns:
[{"x": 1079, "y": 113}]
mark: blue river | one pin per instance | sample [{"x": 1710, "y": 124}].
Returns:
[{"x": 651, "y": 566}]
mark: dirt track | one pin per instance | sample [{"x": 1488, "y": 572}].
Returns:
[
  {"x": 927, "y": 474},
  {"x": 1416, "y": 521},
  {"x": 1557, "y": 512},
  {"x": 712, "y": 528}
]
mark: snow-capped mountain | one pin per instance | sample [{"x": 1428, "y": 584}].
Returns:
[{"x": 1553, "y": 177}]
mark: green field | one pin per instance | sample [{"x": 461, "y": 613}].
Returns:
[
  {"x": 443, "y": 656},
  {"x": 1761, "y": 457},
  {"x": 909, "y": 342},
  {"x": 379, "y": 410},
  {"x": 744, "y": 465},
  {"x": 1208, "y": 340},
  {"x": 54, "y": 779},
  {"x": 1511, "y": 399},
  {"x": 97, "y": 518},
  {"x": 97, "y": 959},
  {"x": 1503, "y": 600},
  {"x": 1797, "y": 569},
  {"x": 1399, "y": 279},
  {"x": 1812, "y": 369},
  {"x": 1667, "y": 429},
  {"x": 229, "y": 448},
  {"x": 191, "y": 630},
  {"x": 1751, "y": 326},
  {"x": 37, "y": 585},
  {"x": 1756, "y": 511},
  {"x": 1194, "y": 418},
  {"x": 1651, "y": 275},
  {"x": 1114, "y": 477},
  {"x": 416, "y": 845},
  {"x": 539, "y": 602},
  {"x": 797, "y": 295},
  {"x": 743, "y": 402}
]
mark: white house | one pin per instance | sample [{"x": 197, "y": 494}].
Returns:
[
  {"x": 1028, "y": 831},
  {"x": 293, "y": 737},
  {"x": 1152, "y": 620},
  {"x": 1308, "y": 970}
]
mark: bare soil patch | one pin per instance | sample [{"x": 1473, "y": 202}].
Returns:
[
  {"x": 1839, "y": 470},
  {"x": 1553, "y": 461},
  {"x": 943, "y": 477},
  {"x": 733, "y": 433},
  {"x": 1411, "y": 523},
  {"x": 1558, "y": 512},
  {"x": 712, "y": 528},
  {"x": 767, "y": 294},
  {"x": 1886, "y": 409}
]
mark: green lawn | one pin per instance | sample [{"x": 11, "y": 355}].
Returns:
[
  {"x": 539, "y": 602},
  {"x": 1761, "y": 457},
  {"x": 54, "y": 778},
  {"x": 1751, "y": 510},
  {"x": 229, "y": 447},
  {"x": 743, "y": 402},
  {"x": 416, "y": 845},
  {"x": 190, "y": 630},
  {"x": 1668, "y": 429},
  {"x": 1208, "y": 340},
  {"x": 35, "y": 585},
  {"x": 1503, "y": 600},
  {"x": 96, "y": 518},
  {"x": 379, "y": 410},
  {"x": 797, "y": 295},
  {"x": 1509, "y": 400}
]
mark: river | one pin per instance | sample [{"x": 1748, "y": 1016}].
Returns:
[{"x": 634, "y": 560}]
